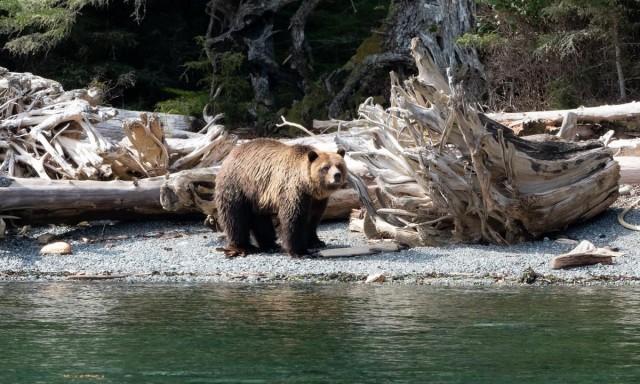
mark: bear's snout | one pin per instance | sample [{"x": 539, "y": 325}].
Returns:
[{"x": 337, "y": 177}]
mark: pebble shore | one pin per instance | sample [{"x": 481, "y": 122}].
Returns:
[{"x": 185, "y": 251}]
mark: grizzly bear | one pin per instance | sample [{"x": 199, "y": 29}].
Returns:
[{"x": 265, "y": 177}]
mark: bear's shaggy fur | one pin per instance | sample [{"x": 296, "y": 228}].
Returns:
[{"x": 264, "y": 177}]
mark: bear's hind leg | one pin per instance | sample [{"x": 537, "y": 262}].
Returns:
[
  {"x": 264, "y": 233},
  {"x": 235, "y": 217},
  {"x": 294, "y": 222}
]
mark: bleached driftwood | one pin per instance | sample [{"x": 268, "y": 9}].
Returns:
[
  {"x": 625, "y": 147},
  {"x": 584, "y": 253},
  {"x": 592, "y": 114},
  {"x": 371, "y": 249},
  {"x": 446, "y": 173},
  {"x": 180, "y": 125},
  {"x": 324, "y": 126},
  {"x": 51, "y": 134},
  {"x": 52, "y": 155},
  {"x": 629, "y": 169}
]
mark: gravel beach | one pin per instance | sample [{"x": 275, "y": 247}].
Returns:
[{"x": 185, "y": 251}]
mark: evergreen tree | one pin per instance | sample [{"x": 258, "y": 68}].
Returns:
[
  {"x": 38, "y": 25},
  {"x": 603, "y": 26},
  {"x": 137, "y": 61}
]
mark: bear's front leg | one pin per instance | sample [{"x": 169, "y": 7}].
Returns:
[{"x": 317, "y": 210}]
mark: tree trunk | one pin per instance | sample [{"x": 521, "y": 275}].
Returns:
[
  {"x": 261, "y": 56},
  {"x": 437, "y": 23},
  {"x": 301, "y": 51},
  {"x": 449, "y": 20},
  {"x": 618, "y": 59},
  {"x": 250, "y": 24}
]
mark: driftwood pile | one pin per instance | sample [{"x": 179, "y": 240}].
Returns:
[
  {"x": 48, "y": 133},
  {"x": 56, "y": 166},
  {"x": 446, "y": 173},
  {"x": 40, "y": 126}
]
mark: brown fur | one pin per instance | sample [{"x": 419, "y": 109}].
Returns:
[{"x": 265, "y": 177}]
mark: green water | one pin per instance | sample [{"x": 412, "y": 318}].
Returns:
[{"x": 224, "y": 333}]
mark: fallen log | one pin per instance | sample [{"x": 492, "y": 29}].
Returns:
[
  {"x": 37, "y": 201},
  {"x": 29, "y": 201},
  {"x": 193, "y": 190},
  {"x": 97, "y": 277},
  {"x": 324, "y": 126},
  {"x": 598, "y": 114}
]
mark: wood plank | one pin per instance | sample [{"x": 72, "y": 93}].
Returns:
[
  {"x": 361, "y": 251},
  {"x": 584, "y": 253}
]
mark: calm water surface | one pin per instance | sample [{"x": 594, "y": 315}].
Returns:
[{"x": 218, "y": 333}]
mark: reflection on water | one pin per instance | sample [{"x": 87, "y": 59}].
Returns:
[{"x": 123, "y": 333}]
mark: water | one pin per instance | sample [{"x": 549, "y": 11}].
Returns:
[{"x": 59, "y": 332}]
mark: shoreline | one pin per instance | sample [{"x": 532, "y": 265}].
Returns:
[
  {"x": 185, "y": 252},
  {"x": 453, "y": 280}
]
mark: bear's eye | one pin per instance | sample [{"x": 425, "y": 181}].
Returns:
[{"x": 326, "y": 168}]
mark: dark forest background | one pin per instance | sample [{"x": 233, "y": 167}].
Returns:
[{"x": 257, "y": 60}]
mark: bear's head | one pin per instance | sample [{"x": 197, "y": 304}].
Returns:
[{"x": 327, "y": 171}]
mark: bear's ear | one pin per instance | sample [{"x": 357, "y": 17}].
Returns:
[
  {"x": 312, "y": 155},
  {"x": 341, "y": 151}
]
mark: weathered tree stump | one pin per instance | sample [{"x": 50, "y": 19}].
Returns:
[{"x": 446, "y": 173}]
